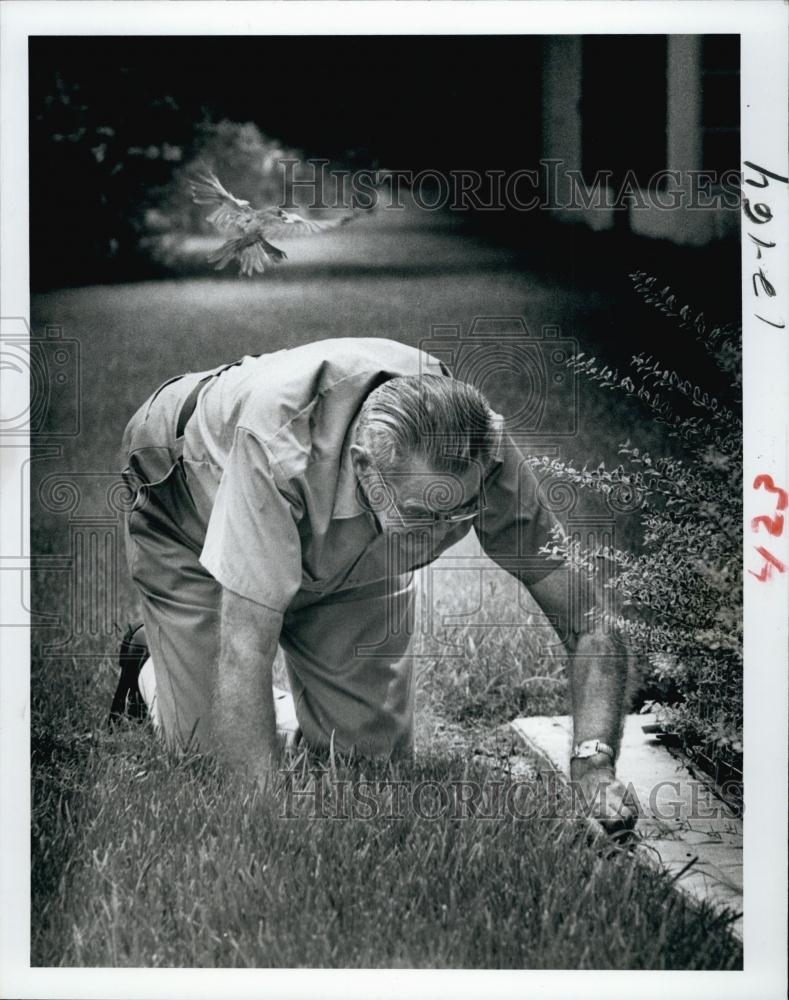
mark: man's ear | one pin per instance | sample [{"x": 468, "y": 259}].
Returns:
[
  {"x": 497, "y": 423},
  {"x": 360, "y": 459}
]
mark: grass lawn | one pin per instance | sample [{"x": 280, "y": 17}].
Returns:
[{"x": 140, "y": 860}]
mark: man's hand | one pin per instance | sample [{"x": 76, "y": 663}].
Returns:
[
  {"x": 599, "y": 795},
  {"x": 245, "y": 729}
]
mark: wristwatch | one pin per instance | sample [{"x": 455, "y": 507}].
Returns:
[{"x": 588, "y": 748}]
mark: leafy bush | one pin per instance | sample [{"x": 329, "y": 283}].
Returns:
[
  {"x": 101, "y": 156},
  {"x": 117, "y": 181},
  {"x": 679, "y": 600}
]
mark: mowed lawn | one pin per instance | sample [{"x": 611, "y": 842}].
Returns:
[{"x": 141, "y": 860}]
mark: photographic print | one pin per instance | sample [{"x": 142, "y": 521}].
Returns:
[{"x": 400, "y": 439}]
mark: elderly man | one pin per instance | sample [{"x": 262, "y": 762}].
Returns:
[{"x": 285, "y": 501}]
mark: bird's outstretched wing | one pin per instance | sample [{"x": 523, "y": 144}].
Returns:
[
  {"x": 288, "y": 224},
  {"x": 251, "y": 251},
  {"x": 229, "y": 211}
]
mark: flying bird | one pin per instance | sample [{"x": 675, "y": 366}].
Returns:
[{"x": 252, "y": 248}]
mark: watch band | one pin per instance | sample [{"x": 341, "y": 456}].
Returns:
[{"x": 588, "y": 748}]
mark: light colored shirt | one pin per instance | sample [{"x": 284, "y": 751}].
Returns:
[{"x": 267, "y": 461}]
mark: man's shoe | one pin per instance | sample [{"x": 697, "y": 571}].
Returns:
[{"x": 128, "y": 701}]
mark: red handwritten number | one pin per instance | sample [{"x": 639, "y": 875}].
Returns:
[
  {"x": 769, "y": 561},
  {"x": 774, "y": 524},
  {"x": 767, "y": 482}
]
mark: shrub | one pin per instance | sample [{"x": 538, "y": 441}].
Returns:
[
  {"x": 102, "y": 152},
  {"x": 679, "y": 599}
]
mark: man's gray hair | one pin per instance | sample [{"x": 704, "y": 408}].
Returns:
[{"x": 434, "y": 417}]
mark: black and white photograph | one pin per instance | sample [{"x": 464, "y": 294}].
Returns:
[{"x": 394, "y": 469}]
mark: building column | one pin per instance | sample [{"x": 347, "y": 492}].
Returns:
[
  {"x": 684, "y": 150},
  {"x": 562, "y": 129},
  {"x": 561, "y": 111}
]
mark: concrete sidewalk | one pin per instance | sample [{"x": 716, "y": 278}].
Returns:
[{"x": 682, "y": 823}]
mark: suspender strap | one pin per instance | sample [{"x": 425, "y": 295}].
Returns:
[
  {"x": 189, "y": 404},
  {"x": 188, "y": 407}
]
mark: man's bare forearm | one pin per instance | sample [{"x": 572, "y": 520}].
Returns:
[
  {"x": 244, "y": 719},
  {"x": 598, "y": 666},
  {"x": 598, "y": 678}
]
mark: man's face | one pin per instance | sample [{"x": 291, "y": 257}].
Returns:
[{"x": 419, "y": 495}]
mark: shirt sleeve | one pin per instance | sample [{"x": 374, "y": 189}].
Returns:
[
  {"x": 252, "y": 544},
  {"x": 516, "y": 524}
]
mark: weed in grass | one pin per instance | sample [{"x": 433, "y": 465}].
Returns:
[{"x": 500, "y": 671}]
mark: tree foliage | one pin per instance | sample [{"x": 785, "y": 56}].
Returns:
[{"x": 111, "y": 149}]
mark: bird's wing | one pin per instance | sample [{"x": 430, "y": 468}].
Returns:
[
  {"x": 229, "y": 211},
  {"x": 293, "y": 225}
]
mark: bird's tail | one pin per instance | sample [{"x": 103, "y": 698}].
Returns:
[
  {"x": 252, "y": 254},
  {"x": 276, "y": 255}
]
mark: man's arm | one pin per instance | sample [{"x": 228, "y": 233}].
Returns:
[
  {"x": 244, "y": 720},
  {"x": 598, "y": 681}
]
